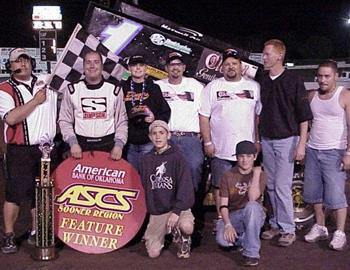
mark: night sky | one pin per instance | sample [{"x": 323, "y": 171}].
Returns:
[{"x": 310, "y": 28}]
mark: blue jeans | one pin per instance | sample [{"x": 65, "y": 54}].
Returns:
[
  {"x": 218, "y": 168},
  {"x": 278, "y": 161},
  {"x": 136, "y": 151},
  {"x": 247, "y": 223},
  {"x": 324, "y": 181},
  {"x": 191, "y": 149}
]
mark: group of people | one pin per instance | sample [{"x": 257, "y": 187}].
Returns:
[{"x": 164, "y": 128}]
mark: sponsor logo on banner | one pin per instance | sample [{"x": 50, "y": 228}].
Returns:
[
  {"x": 210, "y": 63},
  {"x": 99, "y": 203},
  {"x": 183, "y": 31},
  {"x": 160, "y": 40}
]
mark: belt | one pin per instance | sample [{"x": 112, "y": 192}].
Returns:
[{"x": 183, "y": 133}]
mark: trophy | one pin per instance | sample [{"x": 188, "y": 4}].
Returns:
[{"x": 44, "y": 214}]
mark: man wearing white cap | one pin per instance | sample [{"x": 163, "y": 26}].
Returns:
[{"x": 29, "y": 114}]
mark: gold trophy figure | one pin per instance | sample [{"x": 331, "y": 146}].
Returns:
[{"x": 44, "y": 198}]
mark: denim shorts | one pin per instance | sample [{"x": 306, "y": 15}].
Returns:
[
  {"x": 218, "y": 167},
  {"x": 324, "y": 180}
]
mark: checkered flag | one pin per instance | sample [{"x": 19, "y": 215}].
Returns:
[{"x": 69, "y": 68}]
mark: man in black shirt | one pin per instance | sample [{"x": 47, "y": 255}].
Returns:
[{"x": 283, "y": 128}]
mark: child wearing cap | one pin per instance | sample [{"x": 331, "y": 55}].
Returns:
[
  {"x": 242, "y": 213},
  {"x": 167, "y": 181}
]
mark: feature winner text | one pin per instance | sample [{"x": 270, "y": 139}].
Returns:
[{"x": 81, "y": 228}]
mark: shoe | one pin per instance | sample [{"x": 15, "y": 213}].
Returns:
[
  {"x": 175, "y": 231},
  {"x": 287, "y": 239},
  {"x": 338, "y": 241},
  {"x": 316, "y": 233},
  {"x": 250, "y": 261},
  {"x": 31, "y": 238},
  {"x": 269, "y": 234},
  {"x": 184, "y": 247},
  {"x": 9, "y": 244}
]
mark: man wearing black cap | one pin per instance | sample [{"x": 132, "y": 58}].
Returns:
[
  {"x": 228, "y": 114},
  {"x": 242, "y": 213},
  {"x": 144, "y": 103},
  {"x": 28, "y": 110},
  {"x": 183, "y": 97}
]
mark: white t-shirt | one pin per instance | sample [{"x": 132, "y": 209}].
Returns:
[
  {"x": 184, "y": 101},
  {"x": 231, "y": 107}
]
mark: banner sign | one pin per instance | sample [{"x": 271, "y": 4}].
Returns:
[
  {"x": 99, "y": 203},
  {"x": 138, "y": 33}
]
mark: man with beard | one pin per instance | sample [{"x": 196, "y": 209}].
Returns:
[
  {"x": 328, "y": 154},
  {"x": 183, "y": 97},
  {"x": 228, "y": 114}
]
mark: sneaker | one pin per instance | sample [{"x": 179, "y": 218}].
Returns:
[
  {"x": 175, "y": 231},
  {"x": 269, "y": 234},
  {"x": 31, "y": 238},
  {"x": 338, "y": 241},
  {"x": 184, "y": 247},
  {"x": 250, "y": 261},
  {"x": 286, "y": 239},
  {"x": 316, "y": 233},
  {"x": 9, "y": 244}
]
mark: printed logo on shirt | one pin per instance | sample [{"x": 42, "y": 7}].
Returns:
[
  {"x": 225, "y": 95},
  {"x": 137, "y": 96},
  {"x": 159, "y": 181},
  {"x": 185, "y": 96},
  {"x": 94, "y": 107},
  {"x": 239, "y": 188}
]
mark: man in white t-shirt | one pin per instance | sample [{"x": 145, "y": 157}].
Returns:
[
  {"x": 228, "y": 114},
  {"x": 183, "y": 97}
]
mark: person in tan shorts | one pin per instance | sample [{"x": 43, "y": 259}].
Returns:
[{"x": 167, "y": 181}]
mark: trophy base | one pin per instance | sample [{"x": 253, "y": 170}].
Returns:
[{"x": 44, "y": 254}]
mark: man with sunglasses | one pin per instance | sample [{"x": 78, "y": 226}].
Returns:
[
  {"x": 228, "y": 114},
  {"x": 28, "y": 110}
]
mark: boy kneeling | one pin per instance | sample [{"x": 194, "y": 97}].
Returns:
[
  {"x": 242, "y": 212},
  {"x": 167, "y": 181}
]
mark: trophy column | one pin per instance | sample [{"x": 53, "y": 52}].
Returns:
[{"x": 44, "y": 204}]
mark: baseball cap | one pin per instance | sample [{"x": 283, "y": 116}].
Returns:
[
  {"x": 16, "y": 53},
  {"x": 136, "y": 59},
  {"x": 174, "y": 55},
  {"x": 158, "y": 123},
  {"x": 245, "y": 147},
  {"x": 230, "y": 53}
]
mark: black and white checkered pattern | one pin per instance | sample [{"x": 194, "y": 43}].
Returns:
[{"x": 69, "y": 67}]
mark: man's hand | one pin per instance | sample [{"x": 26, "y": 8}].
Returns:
[
  {"x": 209, "y": 150},
  {"x": 40, "y": 96},
  {"x": 299, "y": 152},
  {"x": 116, "y": 153},
  {"x": 150, "y": 117},
  {"x": 230, "y": 233},
  {"x": 75, "y": 151},
  {"x": 172, "y": 221}
]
